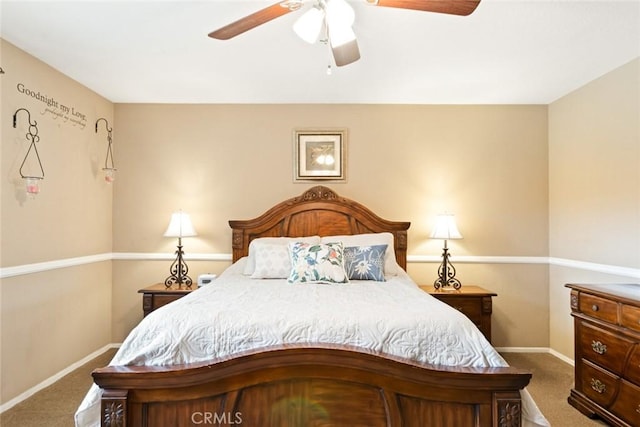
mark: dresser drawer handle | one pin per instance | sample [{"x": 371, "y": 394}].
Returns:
[
  {"x": 638, "y": 409},
  {"x": 598, "y": 386},
  {"x": 595, "y": 307},
  {"x": 598, "y": 347}
]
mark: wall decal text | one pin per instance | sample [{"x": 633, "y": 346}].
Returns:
[{"x": 55, "y": 108}]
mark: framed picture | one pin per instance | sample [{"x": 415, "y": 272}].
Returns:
[{"x": 320, "y": 155}]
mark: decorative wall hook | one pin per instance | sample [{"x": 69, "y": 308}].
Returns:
[
  {"x": 32, "y": 180},
  {"x": 1, "y": 70},
  {"x": 109, "y": 170}
]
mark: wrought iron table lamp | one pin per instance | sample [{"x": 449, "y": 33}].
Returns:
[
  {"x": 180, "y": 226},
  {"x": 446, "y": 229}
]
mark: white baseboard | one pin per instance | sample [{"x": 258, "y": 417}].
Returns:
[
  {"x": 46, "y": 383},
  {"x": 562, "y": 357},
  {"x": 523, "y": 349},
  {"x": 536, "y": 350}
]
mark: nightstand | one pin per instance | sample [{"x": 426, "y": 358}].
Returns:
[
  {"x": 473, "y": 301},
  {"x": 155, "y": 296}
]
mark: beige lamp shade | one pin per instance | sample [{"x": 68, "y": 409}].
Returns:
[
  {"x": 180, "y": 226},
  {"x": 446, "y": 228}
]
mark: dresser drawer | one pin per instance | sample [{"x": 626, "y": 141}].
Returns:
[
  {"x": 630, "y": 317},
  {"x": 632, "y": 373},
  {"x": 161, "y": 300},
  {"x": 599, "y": 308},
  {"x": 604, "y": 348},
  {"x": 627, "y": 405},
  {"x": 598, "y": 385}
]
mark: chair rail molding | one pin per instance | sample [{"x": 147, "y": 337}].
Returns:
[
  {"x": 39, "y": 267},
  {"x": 592, "y": 266}
]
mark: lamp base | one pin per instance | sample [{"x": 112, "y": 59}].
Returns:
[
  {"x": 449, "y": 286},
  {"x": 184, "y": 280},
  {"x": 445, "y": 289},
  {"x": 446, "y": 280},
  {"x": 179, "y": 272}
]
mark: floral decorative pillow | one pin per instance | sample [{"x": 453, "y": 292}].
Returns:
[
  {"x": 365, "y": 262},
  {"x": 317, "y": 263},
  {"x": 371, "y": 239}
]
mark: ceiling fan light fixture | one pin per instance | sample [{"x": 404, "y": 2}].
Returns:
[
  {"x": 341, "y": 35},
  {"x": 292, "y": 5},
  {"x": 339, "y": 20},
  {"x": 309, "y": 25},
  {"x": 346, "y": 53},
  {"x": 340, "y": 13}
]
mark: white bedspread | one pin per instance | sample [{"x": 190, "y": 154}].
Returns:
[{"x": 393, "y": 317}]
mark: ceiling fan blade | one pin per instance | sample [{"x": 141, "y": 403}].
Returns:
[
  {"x": 250, "y": 21},
  {"x": 452, "y": 7},
  {"x": 346, "y": 54}
]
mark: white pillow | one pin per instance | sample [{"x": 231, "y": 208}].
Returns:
[
  {"x": 250, "y": 266},
  {"x": 371, "y": 239},
  {"x": 272, "y": 261}
]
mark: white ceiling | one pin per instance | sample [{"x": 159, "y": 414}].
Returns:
[{"x": 506, "y": 52}]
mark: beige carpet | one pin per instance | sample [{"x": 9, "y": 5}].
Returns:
[{"x": 55, "y": 405}]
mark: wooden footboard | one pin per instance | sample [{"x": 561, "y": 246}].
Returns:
[{"x": 310, "y": 386}]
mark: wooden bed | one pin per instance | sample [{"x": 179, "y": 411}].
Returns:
[{"x": 315, "y": 385}]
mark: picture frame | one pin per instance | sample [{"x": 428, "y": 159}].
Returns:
[{"x": 320, "y": 155}]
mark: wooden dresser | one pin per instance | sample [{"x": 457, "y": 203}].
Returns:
[{"x": 607, "y": 352}]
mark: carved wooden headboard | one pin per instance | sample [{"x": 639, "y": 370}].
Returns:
[{"x": 318, "y": 211}]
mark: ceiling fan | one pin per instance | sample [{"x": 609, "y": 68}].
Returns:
[{"x": 336, "y": 18}]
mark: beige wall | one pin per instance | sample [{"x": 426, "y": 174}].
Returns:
[
  {"x": 486, "y": 164},
  {"x": 594, "y": 196},
  {"x": 54, "y": 318}
]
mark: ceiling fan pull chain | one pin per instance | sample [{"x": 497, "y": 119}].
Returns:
[{"x": 326, "y": 42}]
